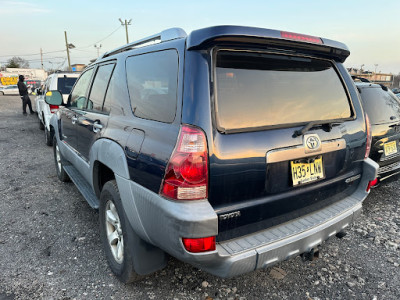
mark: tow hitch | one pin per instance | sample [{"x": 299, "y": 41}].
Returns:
[{"x": 311, "y": 255}]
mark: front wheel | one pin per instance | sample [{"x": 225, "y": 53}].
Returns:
[
  {"x": 114, "y": 234},
  {"x": 47, "y": 137},
  {"x": 61, "y": 174}
]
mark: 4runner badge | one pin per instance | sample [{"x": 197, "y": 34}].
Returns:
[{"x": 312, "y": 143}]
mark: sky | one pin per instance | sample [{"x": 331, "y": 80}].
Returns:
[{"x": 370, "y": 29}]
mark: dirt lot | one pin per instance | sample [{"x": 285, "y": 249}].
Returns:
[{"x": 50, "y": 247}]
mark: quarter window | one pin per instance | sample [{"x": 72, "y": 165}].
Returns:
[
  {"x": 152, "y": 83},
  {"x": 78, "y": 95}
]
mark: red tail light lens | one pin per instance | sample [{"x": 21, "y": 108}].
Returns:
[
  {"x": 369, "y": 136},
  {"x": 372, "y": 183},
  {"x": 53, "y": 108},
  {"x": 186, "y": 175},
  {"x": 200, "y": 244},
  {"x": 301, "y": 37}
]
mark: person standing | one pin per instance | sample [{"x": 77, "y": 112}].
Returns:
[{"x": 23, "y": 92}]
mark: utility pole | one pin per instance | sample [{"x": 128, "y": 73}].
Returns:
[
  {"x": 68, "y": 46},
  {"x": 126, "y": 23},
  {"x": 98, "y": 48},
  {"x": 41, "y": 58}
]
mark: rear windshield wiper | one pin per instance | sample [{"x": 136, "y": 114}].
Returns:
[{"x": 309, "y": 125}]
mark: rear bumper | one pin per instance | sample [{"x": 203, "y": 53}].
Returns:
[{"x": 164, "y": 223}]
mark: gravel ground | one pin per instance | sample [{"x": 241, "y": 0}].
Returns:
[{"x": 50, "y": 246}]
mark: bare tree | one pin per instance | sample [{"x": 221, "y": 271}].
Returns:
[{"x": 17, "y": 62}]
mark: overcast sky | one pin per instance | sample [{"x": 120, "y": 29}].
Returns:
[{"x": 371, "y": 29}]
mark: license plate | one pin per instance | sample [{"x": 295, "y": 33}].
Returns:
[
  {"x": 390, "y": 148},
  {"x": 305, "y": 171}
]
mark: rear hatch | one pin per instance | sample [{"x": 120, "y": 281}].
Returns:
[
  {"x": 286, "y": 138},
  {"x": 383, "y": 109}
]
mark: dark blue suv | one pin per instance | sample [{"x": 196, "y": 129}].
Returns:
[{"x": 231, "y": 148}]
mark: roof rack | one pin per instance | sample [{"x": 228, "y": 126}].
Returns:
[
  {"x": 163, "y": 36},
  {"x": 362, "y": 79}
]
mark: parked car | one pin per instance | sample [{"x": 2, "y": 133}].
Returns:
[
  {"x": 232, "y": 148},
  {"x": 383, "y": 109},
  {"x": 62, "y": 82},
  {"x": 9, "y": 90}
]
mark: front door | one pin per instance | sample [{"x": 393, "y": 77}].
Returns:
[{"x": 74, "y": 110}]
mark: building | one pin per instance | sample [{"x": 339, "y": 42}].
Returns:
[
  {"x": 10, "y": 76},
  {"x": 381, "y": 78},
  {"x": 78, "y": 67}
]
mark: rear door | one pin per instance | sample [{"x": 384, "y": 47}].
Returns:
[
  {"x": 95, "y": 117},
  {"x": 74, "y": 109},
  {"x": 286, "y": 138}
]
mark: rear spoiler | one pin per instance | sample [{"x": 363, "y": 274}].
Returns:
[{"x": 266, "y": 38}]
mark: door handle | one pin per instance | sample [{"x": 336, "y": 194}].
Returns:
[
  {"x": 97, "y": 127},
  {"x": 74, "y": 119}
]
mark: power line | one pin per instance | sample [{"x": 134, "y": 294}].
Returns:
[{"x": 12, "y": 55}]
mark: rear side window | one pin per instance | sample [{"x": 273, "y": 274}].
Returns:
[
  {"x": 99, "y": 88},
  {"x": 152, "y": 83},
  {"x": 256, "y": 90},
  {"x": 65, "y": 84},
  {"x": 381, "y": 106}
]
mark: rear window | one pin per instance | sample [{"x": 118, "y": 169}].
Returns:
[
  {"x": 65, "y": 84},
  {"x": 381, "y": 106},
  {"x": 257, "y": 90}
]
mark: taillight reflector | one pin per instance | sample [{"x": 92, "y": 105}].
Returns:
[
  {"x": 372, "y": 183},
  {"x": 53, "y": 108},
  {"x": 186, "y": 175},
  {"x": 369, "y": 136},
  {"x": 200, "y": 244},
  {"x": 301, "y": 37}
]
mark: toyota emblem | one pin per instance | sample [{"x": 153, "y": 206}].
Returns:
[{"x": 313, "y": 142}]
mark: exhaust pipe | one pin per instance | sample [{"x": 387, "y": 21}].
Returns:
[{"x": 311, "y": 255}]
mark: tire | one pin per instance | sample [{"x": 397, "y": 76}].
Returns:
[
  {"x": 115, "y": 235},
  {"x": 47, "y": 137},
  {"x": 58, "y": 160},
  {"x": 2, "y": 93},
  {"x": 41, "y": 125}
]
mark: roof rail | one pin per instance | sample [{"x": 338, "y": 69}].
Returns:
[{"x": 163, "y": 36}]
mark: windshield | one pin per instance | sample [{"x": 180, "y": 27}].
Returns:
[
  {"x": 257, "y": 90},
  {"x": 65, "y": 84},
  {"x": 381, "y": 106}
]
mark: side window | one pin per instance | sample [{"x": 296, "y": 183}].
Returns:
[
  {"x": 78, "y": 95},
  {"x": 99, "y": 88},
  {"x": 152, "y": 83}
]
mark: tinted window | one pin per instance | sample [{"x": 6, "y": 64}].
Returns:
[
  {"x": 380, "y": 105},
  {"x": 78, "y": 95},
  {"x": 65, "y": 84},
  {"x": 99, "y": 88},
  {"x": 258, "y": 90},
  {"x": 152, "y": 83}
]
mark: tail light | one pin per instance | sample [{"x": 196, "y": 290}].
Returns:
[
  {"x": 200, "y": 244},
  {"x": 186, "y": 175},
  {"x": 369, "y": 136},
  {"x": 372, "y": 183},
  {"x": 53, "y": 108}
]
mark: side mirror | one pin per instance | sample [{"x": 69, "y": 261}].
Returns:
[{"x": 53, "y": 98}]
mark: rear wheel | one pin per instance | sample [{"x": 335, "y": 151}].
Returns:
[
  {"x": 2, "y": 93},
  {"x": 114, "y": 234},
  {"x": 61, "y": 174}
]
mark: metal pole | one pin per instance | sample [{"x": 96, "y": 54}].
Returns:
[
  {"x": 41, "y": 57},
  {"x": 66, "y": 44},
  {"x": 126, "y": 29}
]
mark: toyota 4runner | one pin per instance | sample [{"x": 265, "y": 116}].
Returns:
[{"x": 231, "y": 148}]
